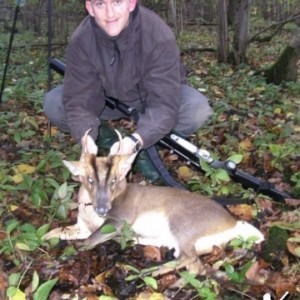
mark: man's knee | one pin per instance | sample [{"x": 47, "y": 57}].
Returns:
[
  {"x": 194, "y": 111},
  {"x": 53, "y": 108}
]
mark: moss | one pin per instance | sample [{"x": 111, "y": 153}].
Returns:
[
  {"x": 275, "y": 247},
  {"x": 282, "y": 69}
]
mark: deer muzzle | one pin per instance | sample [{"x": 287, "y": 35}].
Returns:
[{"x": 103, "y": 205}]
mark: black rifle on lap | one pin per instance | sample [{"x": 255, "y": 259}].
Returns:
[{"x": 188, "y": 152}]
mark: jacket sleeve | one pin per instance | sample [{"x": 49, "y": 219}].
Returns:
[
  {"x": 162, "y": 81},
  {"x": 81, "y": 88}
]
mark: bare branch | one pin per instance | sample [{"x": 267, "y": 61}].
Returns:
[{"x": 277, "y": 27}]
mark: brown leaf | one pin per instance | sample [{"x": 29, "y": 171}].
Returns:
[
  {"x": 246, "y": 145},
  {"x": 242, "y": 211},
  {"x": 152, "y": 253},
  {"x": 215, "y": 255},
  {"x": 281, "y": 284},
  {"x": 256, "y": 274},
  {"x": 101, "y": 279},
  {"x": 167, "y": 280},
  {"x": 185, "y": 173},
  {"x": 3, "y": 283}
]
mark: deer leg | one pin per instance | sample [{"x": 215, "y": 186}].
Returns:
[{"x": 88, "y": 222}]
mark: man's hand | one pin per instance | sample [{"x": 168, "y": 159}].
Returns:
[{"x": 128, "y": 145}]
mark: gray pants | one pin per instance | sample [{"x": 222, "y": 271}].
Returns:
[{"x": 194, "y": 110}]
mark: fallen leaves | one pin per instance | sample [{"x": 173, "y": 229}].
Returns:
[
  {"x": 243, "y": 211},
  {"x": 185, "y": 173},
  {"x": 20, "y": 170}
]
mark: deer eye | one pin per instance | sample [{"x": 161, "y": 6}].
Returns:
[
  {"x": 113, "y": 181},
  {"x": 90, "y": 180}
]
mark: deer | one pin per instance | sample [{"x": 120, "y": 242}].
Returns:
[{"x": 160, "y": 216}]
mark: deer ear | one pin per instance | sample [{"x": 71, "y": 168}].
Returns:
[
  {"x": 75, "y": 167},
  {"x": 125, "y": 164},
  {"x": 88, "y": 144}
]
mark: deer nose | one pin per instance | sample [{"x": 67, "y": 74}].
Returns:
[{"x": 101, "y": 211}]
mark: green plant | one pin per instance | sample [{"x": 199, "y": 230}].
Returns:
[
  {"x": 62, "y": 198},
  {"x": 218, "y": 179},
  {"x": 216, "y": 176},
  {"x": 280, "y": 152},
  {"x": 237, "y": 276},
  {"x": 241, "y": 243},
  {"x": 21, "y": 237},
  {"x": 143, "y": 275},
  {"x": 125, "y": 234},
  {"x": 205, "y": 289},
  {"x": 295, "y": 178},
  {"x": 37, "y": 290}
]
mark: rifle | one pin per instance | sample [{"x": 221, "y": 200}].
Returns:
[{"x": 189, "y": 152}]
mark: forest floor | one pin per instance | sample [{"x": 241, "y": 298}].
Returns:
[{"x": 255, "y": 121}]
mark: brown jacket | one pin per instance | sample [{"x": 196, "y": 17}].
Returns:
[{"x": 143, "y": 62}]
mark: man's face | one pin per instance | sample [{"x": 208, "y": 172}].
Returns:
[{"x": 111, "y": 15}]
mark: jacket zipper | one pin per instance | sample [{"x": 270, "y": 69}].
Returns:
[{"x": 115, "y": 54}]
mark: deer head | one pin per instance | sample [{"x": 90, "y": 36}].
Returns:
[{"x": 103, "y": 178}]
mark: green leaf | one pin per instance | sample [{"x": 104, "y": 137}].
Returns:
[
  {"x": 44, "y": 290},
  {"x": 63, "y": 190},
  {"x": 205, "y": 166},
  {"x": 12, "y": 225},
  {"x": 11, "y": 291},
  {"x": 150, "y": 281},
  {"x": 42, "y": 230},
  {"x": 132, "y": 277},
  {"x": 15, "y": 294},
  {"x": 132, "y": 268},
  {"x": 236, "y": 158},
  {"x": 222, "y": 175},
  {"x": 35, "y": 281},
  {"x": 69, "y": 251},
  {"x": 36, "y": 199},
  {"x": 22, "y": 246},
  {"x": 17, "y": 137},
  {"x": 62, "y": 211},
  {"x": 108, "y": 228},
  {"x": 27, "y": 228},
  {"x": 52, "y": 182},
  {"x": 235, "y": 243},
  {"x": 14, "y": 279}
]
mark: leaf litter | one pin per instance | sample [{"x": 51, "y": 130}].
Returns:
[{"x": 254, "y": 121}]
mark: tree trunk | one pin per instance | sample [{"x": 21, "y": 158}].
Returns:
[
  {"x": 223, "y": 39},
  {"x": 241, "y": 30},
  {"x": 285, "y": 68},
  {"x": 172, "y": 4}
]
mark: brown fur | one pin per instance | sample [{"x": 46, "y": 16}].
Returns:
[{"x": 158, "y": 214}]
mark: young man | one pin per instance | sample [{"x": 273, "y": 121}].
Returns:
[{"x": 125, "y": 51}]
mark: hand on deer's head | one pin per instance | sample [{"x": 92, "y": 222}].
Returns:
[{"x": 128, "y": 145}]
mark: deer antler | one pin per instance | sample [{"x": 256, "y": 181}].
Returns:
[
  {"x": 120, "y": 141},
  {"x": 88, "y": 145},
  {"x": 84, "y": 141}
]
